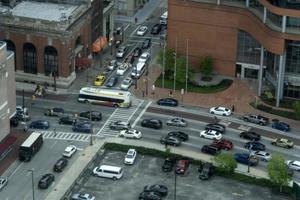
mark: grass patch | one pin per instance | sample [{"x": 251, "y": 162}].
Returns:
[{"x": 223, "y": 85}]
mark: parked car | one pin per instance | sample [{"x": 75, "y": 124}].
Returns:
[
  {"x": 161, "y": 189},
  {"x": 179, "y": 134},
  {"x": 182, "y": 166},
  {"x": 151, "y": 123},
  {"x": 46, "y": 181},
  {"x": 205, "y": 171},
  {"x": 112, "y": 81},
  {"x": 245, "y": 159},
  {"x": 156, "y": 29},
  {"x": 211, "y": 134},
  {"x": 130, "y": 157},
  {"x": 257, "y": 119},
  {"x": 177, "y": 121},
  {"x": 93, "y": 115},
  {"x": 216, "y": 127},
  {"x": 169, "y": 140},
  {"x": 54, "y": 112},
  {"x": 21, "y": 116},
  {"x": 293, "y": 164},
  {"x": 210, "y": 149},
  {"x": 250, "y": 135},
  {"x": 67, "y": 120},
  {"x": 126, "y": 83},
  {"x": 144, "y": 57},
  {"x": 256, "y": 146},
  {"x": 282, "y": 126},
  {"x": 112, "y": 65},
  {"x": 69, "y": 151},
  {"x": 149, "y": 196},
  {"x": 122, "y": 69},
  {"x": 137, "y": 52},
  {"x": 60, "y": 165},
  {"x": 223, "y": 144},
  {"x": 21, "y": 109},
  {"x": 3, "y": 182},
  {"x": 282, "y": 142},
  {"x": 142, "y": 31},
  {"x": 220, "y": 111},
  {"x": 168, "y": 164},
  {"x": 262, "y": 155},
  {"x": 40, "y": 124},
  {"x": 100, "y": 79},
  {"x": 146, "y": 44},
  {"x": 167, "y": 102},
  {"x": 83, "y": 196},
  {"x": 120, "y": 125},
  {"x": 121, "y": 51},
  {"x": 131, "y": 133},
  {"x": 85, "y": 127}
]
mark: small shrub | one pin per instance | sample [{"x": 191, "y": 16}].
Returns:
[
  {"x": 264, "y": 107},
  {"x": 206, "y": 78}
]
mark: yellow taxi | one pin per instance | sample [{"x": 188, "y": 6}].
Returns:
[{"x": 99, "y": 80}]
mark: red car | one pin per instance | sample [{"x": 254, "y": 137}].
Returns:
[
  {"x": 182, "y": 166},
  {"x": 223, "y": 144}
]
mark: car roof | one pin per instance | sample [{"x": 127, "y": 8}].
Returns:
[{"x": 69, "y": 148}]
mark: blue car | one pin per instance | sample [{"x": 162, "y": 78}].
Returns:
[
  {"x": 282, "y": 126},
  {"x": 40, "y": 124},
  {"x": 244, "y": 159},
  {"x": 85, "y": 127},
  {"x": 256, "y": 146}
]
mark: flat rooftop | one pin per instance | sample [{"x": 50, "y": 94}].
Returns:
[{"x": 44, "y": 11}]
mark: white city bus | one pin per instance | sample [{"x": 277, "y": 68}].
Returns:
[
  {"x": 115, "y": 98},
  {"x": 164, "y": 18}
]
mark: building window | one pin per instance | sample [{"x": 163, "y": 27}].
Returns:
[
  {"x": 293, "y": 57},
  {"x": 29, "y": 58},
  {"x": 248, "y": 50},
  {"x": 50, "y": 61},
  {"x": 12, "y": 47}
]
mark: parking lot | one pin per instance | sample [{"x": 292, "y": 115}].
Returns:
[{"x": 147, "y": 171}]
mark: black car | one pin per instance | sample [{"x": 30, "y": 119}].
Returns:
[
  {"x": 137, "y": 52},
  {"x": 46, "y": 181},
  {"x": 93, "y": 115},
  {"x": 181, "y": 135},
  {"x": 209, "y": 149},
  {"x": 250, "y": 135},
  {"x": 205, "y": 171},
  {"x": 168, "y": 165},
  {"x": 60, "y": 165},
  {"x": 156, "y": 29},
  {"x": 85, "y": 127},
  {"x": 54, "y": 112},
  {"x": 152, "y": 123},
  {"x": 67, "y": 120},
  {"x": 161, "y": 189},
  {"x": 149, "y": 196},
  {"x": 21, "y": 116},
  {"x": 174, "y": 141},
  {"x": 256, "y": 146},
  {"x": 112, "y": 81},
  {"x": 40, "y": 124},
  {"x": 167, "y": 102},
  {"x": 14, "y": 122},
  {"x": 216, "y": 127},
  {"x": 146, "y": 44}
]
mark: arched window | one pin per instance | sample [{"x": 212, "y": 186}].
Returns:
[
  {"x": 50, "y": 61},
  {"x": 29, "y": 58},
  {"x": 11, "y": 47}
]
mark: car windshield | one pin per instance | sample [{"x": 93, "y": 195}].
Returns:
[{"x": 129, "y": 156}]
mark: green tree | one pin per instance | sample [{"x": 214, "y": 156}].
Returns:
[
  {"x": 169, "y": 60},
  {"x": 181, "y": 70},
  {"x": 278, "y": 171},
  {"x": 226, "y": 162},
  {"x": 206, "y": 65},
  {"x": 296, "y": 106}
]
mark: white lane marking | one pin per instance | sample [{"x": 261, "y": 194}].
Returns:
[
  {"x": 107, "y": 121},
  {"x": 15, "y": 170},
  {"x": 141, "y": 114},
  {"x": 135, "y": 30},
  {"x": 126, "y": 27},
  {"x": 53, "y": 144},
  {"x": 136, "y": 110}
]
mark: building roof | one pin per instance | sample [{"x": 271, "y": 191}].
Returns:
[{"x": 44, "y": 11}]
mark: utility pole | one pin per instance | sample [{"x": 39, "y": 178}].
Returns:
[
  {"x": 32, "y": 182},
  {"x": 187, "y": 64},
  {"x": 175, "y": 183},
  {"x": 175, "y": 66},
  {"x": 23, "y": 99},
  {"x": 163, "y": 72},
  {"x": 91, "y": 138}
]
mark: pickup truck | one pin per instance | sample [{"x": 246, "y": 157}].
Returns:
[{"x": 257, "y": 119}]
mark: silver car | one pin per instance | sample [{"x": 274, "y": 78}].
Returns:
[
  {"x": 120, "y": 125},
  {"x": 3, "y": 182},
  {"x": 126, "y": 83},
  {"x": 121, "y": 52},
  {"x": 177, "y": 121},
  {"x": 262, "y": 155},
  {"x": 83, "y": 196}
]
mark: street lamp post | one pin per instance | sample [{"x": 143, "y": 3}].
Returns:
[
  {"x": 91, "y": 138},
  {"x": 175, "y": 183},
  {"x": 250, "y": 148},
  {"x": 32, "y": 182}
]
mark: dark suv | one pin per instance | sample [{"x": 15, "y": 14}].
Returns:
[
  {"x": 152, "y": 123},
  {"x": 209, "y": 149},
  {"x": 250, "y": 135},
  {"x": 60, "y": 165},
  {"x": 256, "y": 146},
  {"x": 95, "y": 116},
  {"x": 45, "y": 181},
  {"x": 216, "y": 127},
  {"x": 205, "y": 171},
  {"x": 54, "y": 112},
  {"x": 168, "y": 164}
]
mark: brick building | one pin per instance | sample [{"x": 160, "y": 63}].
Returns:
[{"x": 255, "y": 39}]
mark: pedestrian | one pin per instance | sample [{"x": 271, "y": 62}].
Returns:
[
  {"x": 54, "y": 131},
  {"x": 135, "y": 19},
  {"x": 171, "y": 93},
  {"x": 215, "y": 119},
  {"x": 232, "y": 108}
]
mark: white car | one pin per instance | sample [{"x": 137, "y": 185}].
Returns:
[
  {"x": 220, "y": 111},
  {"x": 211, "y": 134},
  {"x": 130, "y": 157},
  {"x": 144, "y": 57},
  {"x": 3, "y": 182},
  {"x": 131, "y": 133},
  {"x": 20, "y": 109},
  {"x": 112, "y": 65},
  {"x": 142, "y": 31},
  {"x": 69, "y": 151},
  {"x": 262, "y": 155},
  {"x": 293, "y": 164},
  {"x": 126, "y": 83},
  {"x": 177, "y": 121},
  {"x": 121, "y": 52},
  {"x": 122, "y": 69}
]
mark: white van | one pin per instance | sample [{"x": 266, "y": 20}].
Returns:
[
  {"x": 108, "y": 171},
  {"x": 138, "y": 70},
  {"x": 164, "y": 18}
]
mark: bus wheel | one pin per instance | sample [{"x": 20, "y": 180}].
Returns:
[
  {"x": 85, "y": 101},
  {"x": 115, "y": 106}
]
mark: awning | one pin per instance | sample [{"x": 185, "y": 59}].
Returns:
[
  {"x": 99, "y": 44},
  {"x": 6, "y": 145},
  {"x": 82, "y": 61}
]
